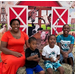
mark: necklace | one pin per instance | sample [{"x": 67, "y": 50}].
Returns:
[{"x": 17, "y": 37}]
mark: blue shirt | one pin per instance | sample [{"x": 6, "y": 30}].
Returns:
[{"x": 65, "y": 41}]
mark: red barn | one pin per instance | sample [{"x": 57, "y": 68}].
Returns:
[{"x": 41, "y": 5}]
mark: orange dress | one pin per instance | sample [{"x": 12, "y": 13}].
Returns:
[{"x": 10, "y": 63}]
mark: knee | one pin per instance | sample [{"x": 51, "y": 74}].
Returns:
[
  {"x": 62, "y": 71},
  {"x": 42, "y": 72}
]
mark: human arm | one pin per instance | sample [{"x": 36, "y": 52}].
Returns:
[
  {"x": 38, "y": 58},
  {"x": 58, "y": 57},
  {"x": 26, "y": 39},
  {"x": 5, "y": 50},
  {"x": 50, "y": 59},
  {"x": 61, "y": 51},
  {"x": 32, "y": 58},
  {"x": 27, "y": 45},
  {"x": 44, "y": 54},
  {"x": 28, "y": 55},
  {"x": 58, "y": 43},
  {"x": 71, "y": 45},
  {"x": 4, "y": 44},
  {"x": 65, "y": 55},
  {"x": 71, "y": 48}
]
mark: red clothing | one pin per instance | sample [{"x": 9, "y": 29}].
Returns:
[{"x": 10, "y": 63}]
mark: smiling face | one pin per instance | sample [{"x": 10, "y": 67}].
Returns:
[
  {"x": 66, "y": 29},
  {"x": 15, "y": 26}
]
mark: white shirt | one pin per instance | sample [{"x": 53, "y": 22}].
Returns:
[{"x": 48, "y": 52}]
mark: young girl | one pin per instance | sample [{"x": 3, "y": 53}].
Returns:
[
  {"x": 51, "y": 55},
  {"x": 66, "y": 42},
  {"x": 32, "y": 57}
]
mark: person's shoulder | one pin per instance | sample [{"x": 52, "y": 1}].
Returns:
[
  {"x": 27, "y": 49},
  {"x": 23, "y": 33},
  {"x": 7, "y": 33},
  {"x": 60, "y": 35},
  {"x": 46, "y": 46},
  {"x": 36, "y": 49},
  {"x": 71, "y": 36},
  {"x": 56, "y": 46}
]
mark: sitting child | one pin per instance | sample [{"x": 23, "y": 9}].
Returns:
[
  {"x": 66, "y": 42},
  {"x": 51, "y": 55},
  {"x": 32, "y": 58}
]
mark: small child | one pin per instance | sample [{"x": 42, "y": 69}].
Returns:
[
  {"x": 66, "y": 41},
  {"x": 32, "y": 58},
  {"x": 51, "y": 55}
]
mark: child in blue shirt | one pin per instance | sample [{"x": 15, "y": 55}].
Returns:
[{"x": 66, "y": 41}]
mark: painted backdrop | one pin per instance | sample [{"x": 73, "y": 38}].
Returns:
[{"x": 38, "y": 18}]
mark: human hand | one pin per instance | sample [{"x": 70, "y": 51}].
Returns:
[
  {"x": 65, "y": 55},
  {"x": 36, "y": 56},
  {"x": 17, "y": 54},
  {"x": 37, "y": 59},
  {"x": 56, "y": 60},
  {"x": 51, "y": 59}
]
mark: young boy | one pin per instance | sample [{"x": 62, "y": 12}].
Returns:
[
  {"x": 32, "y": 58},
  {"x": 66, "y": 42},
  {"x": 51, "y": 55}
]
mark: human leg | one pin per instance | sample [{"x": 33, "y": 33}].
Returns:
[
  {"x": 29, "y": 70},
  {"x": 49, "y": 68},
  {"x": 65, "y": 60},
  {"x": 50, "y": 71},
  {"x": 11, "y": 64},
  {"x": 61, "y": 70},
  {"x": 38, "y": 69},
  {"x": 58, "y": 66},
  {"x": 61, "y": 58},
  {"x": 71, "y": 59}
]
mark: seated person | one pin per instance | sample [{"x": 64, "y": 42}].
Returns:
[
  {"x": 51, "y": 55},
  {"x": 32, "y": 58},
  {"x": 66, "y": 42}
]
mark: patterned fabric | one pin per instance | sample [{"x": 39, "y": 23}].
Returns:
[
  {"x": 52, "y": 65},
  {"x": 65, "y": 41}
]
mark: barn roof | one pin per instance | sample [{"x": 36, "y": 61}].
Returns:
[{"x": 40, "y": 3}]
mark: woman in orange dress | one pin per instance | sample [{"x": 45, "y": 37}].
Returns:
[{"x": 12, "y": 47}]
